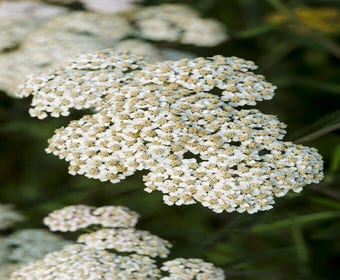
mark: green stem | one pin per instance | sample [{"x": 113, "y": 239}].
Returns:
[{"x": 318, "y": 133}]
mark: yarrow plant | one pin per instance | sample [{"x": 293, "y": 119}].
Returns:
[
  {"x": 32, "y": 45},
  {"x": 183, "y": 121},
  {"x": 115, "y": 251}
]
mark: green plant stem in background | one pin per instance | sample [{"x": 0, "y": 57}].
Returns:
[
  {"x": 300, "y": 244},
  {"x": 323, "y": 126}
]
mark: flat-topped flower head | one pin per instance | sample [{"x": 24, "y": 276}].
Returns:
[
  {"x": 191, "y": 269},
  {"x": 9, "y": 216},
  {"x": 178, "y": 23},
  {"x": 75, "y": 217},
  {"x": 183, "y": 121},
  {"x": 78, "y": 262},
  {"x": 127, "y": 240}
]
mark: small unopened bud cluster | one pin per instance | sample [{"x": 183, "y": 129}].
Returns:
[
  {"x": 8, "y": 216},
  {"x": 183, "y": 121},
  {"x": 117, "y": 251}
]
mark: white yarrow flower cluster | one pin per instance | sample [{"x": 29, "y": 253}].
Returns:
[
  {"x": 75, "y": 217},
  {"x": 78, "y": 262},
  {"x": 178, "y": 23},
  {"x": 8, "y": 216},
  {"x": 117, "y": 251},
  {"x": 30, "y": 44},
  {"x": 181, "y": 120},
  {"x": 190, "y": 269},
  {"x": 127, "y": 240}
]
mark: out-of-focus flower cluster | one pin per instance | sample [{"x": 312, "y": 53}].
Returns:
[
  {"x": 8, "y": 216},
  {"x": 323, "y": 19},
  {"x": 19, "y": 18},
  {"x": 117, "y": 251},
  {"x": 25, "y": 246},
  {"x": 183, "y": 121},
  {"x": 177, "y": 23},
  {"x": 104, "y": 6},
  {"x": 31, "y": 44}
]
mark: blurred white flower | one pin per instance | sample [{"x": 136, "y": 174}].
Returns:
[
  {"x": 8, "y": 216},
  {"x": 178, "y": 23}
]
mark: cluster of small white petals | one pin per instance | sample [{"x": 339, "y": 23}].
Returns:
[
  {"x": 37, "y": 43},
  {"x": 78, "y": 262},
  {"x": 77, "y": 85},
  {"x": 127, "y": 240},
  {"x": 54, "y": 41},
  {"x": 180, "y": 120},
  {"x": 176, "y": 22},
  {"x": 70, "y": 218},
  {"x": 24, "y": 246},
  {"x": 75, "y": 217},
  {"x": 108, "y": 253},
  {"x": 191, "y": 269},
  {"x": 8, "y": 216}
]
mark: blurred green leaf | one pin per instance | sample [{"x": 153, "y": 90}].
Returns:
[
  {"x": 299, "y": 220},
  {"x": 255, "y": 31},
  {"x": 300, "y": 244},
  {"x": 323, "y": 126},
  {"x": 334, "y": 166},
  {"x": 326, "y": 202}
]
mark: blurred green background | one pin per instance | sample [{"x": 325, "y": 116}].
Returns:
[{"x": 299, "y": 238}]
